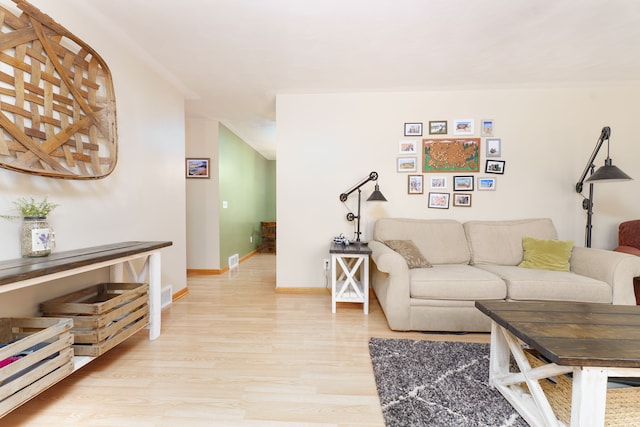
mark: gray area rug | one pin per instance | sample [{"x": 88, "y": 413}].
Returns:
[{"x": 427, "y": 383}]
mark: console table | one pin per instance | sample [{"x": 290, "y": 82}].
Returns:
[{"x": 24, "y": 272}]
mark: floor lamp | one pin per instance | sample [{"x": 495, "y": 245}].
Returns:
[
  {"x": 606, "y": 173},
  {"x": 375, "y": 196}
]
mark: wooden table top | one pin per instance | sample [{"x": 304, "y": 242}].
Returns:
[
  {"x": 18, "y": 269},
  {"x": 574, "y": 334},
  {"x": 353, "y": 249}
]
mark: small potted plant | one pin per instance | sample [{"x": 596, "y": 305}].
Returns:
[{"x": 36, "y": 237}]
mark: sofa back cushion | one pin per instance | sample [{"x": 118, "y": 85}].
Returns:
[
  {"x": 500, "y": 242},
  {"x": 440, "y": 241}
]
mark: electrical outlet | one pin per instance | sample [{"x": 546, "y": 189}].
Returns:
[
  {"x": 326, "y": 263},
  {"x": 250, "y": 239}
]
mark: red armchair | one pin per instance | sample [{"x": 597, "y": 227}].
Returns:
[{"x": 629, "y": 242}]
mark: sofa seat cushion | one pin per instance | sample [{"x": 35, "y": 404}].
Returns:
[
  {"x": 456, "y": 282},
  {"x": 547, "y": 285}
]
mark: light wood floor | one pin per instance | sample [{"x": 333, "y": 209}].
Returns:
[{"x": 233, "y": 352}]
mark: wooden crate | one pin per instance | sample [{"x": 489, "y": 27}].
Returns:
[
  {"x": 49, "y": 361},
  {"x": 103, "y": 315}
]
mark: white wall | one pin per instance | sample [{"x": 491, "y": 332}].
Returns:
[
  {"x": 203, "y": 218},
  {"x": 327, "y": 143},
  {"x": 144, "y": 198}
]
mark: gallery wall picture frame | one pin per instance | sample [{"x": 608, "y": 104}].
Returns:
[
  {"x": 495, "y": 166},
  {"x": 493, "y": 147},
  {"x": 463, "y": 127},
  {"x": 486, "y": 128},
  {"x": 462, "y": 200},
  {"x": 451, "y": 155},
  {"x": 197, "y": 167},
  {"x": 463, "y": 183},
  {"x": 408, "y": 146},
  {"x": 413, "y": 129},
  {"x": 439, "y": 200},
  {"x": 437, "y": 182},
  {"x": 416, "y": 183},
  {"x": 487, "y": 183},
  {"x": 438, "y": 127},
  {"x": 407, "y": 164}
]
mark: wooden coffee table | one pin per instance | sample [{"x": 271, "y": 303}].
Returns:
[{"x": 591, "y": 341}]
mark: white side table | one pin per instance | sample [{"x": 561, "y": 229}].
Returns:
[{"x": 350, "y": 283}]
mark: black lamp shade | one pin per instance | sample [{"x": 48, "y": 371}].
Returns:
[
  {"x": 376, "y": 195},
  {"x": 608, "y": 173}
]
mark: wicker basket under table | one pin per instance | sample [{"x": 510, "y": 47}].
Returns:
[
  {"x": 47, "y": 357},
  {"x": 103, "y": 315},
  {"x": 622, "y": 407}
]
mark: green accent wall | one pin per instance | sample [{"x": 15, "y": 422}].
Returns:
[{"x": 248, "y": 186}]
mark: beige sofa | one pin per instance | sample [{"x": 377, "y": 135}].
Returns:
[{"x": 478, "y": 260}]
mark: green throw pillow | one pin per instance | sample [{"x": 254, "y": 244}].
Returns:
[
  {"x": 546, "y": 254},
  {"x": 409, "y": 252}
]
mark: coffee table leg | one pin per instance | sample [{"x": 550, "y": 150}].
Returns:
[{"x": 588, "y": 399}]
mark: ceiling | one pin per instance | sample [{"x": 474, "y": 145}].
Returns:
[{"x": 232, "y": 57}]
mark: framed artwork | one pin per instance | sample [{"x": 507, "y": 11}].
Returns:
[
  {"x": 439, "y": 200},
  {"x": 408, "y": 146},
  {"x": 486, "y": 183},
  {"x": 407, "y": 164},
  {"x": 451, "y": 155},
  {"x": 495, "y": 166},
  {"x": 415, "y": 184},
  {"x": 462, "y": 199},
  {"x": 438, "y": 182},
  {"x": 197, "y": 168},
  {"x": 463, "y": 127},
  {"x": 438, "y": 127},
  {"x": 463, "y": 183},
  {"x": 413, "y": 129},
  {"x": 487, "y": 127},
  {"x": 493, "y": 147}
]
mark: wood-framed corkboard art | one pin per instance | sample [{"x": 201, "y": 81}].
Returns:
[
  {"x": 58, "y": 109},
  {"x": 451, "y": 155}
]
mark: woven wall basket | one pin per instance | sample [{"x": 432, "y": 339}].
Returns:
[{"x": 57, "y": 104}]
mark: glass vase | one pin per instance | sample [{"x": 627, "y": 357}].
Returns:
[{"x": 36, "y": 237}]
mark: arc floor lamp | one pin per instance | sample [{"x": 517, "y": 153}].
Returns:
[
  {"x": 606, "y": 173},
  {"x": 375, "y": 196}
]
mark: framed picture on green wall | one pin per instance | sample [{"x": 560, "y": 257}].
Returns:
[{"x": 197, "y": 168}]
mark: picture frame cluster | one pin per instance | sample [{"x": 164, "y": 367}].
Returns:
[{"x": 450, "y": 147}]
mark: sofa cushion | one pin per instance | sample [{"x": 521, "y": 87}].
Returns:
[
  {"x": 546, "y": 285},
  {"x": 440, "y": 241},
  {"x": 546, "y": 254},
  {"x": 409, "y": 252},
  {"x": 500, "y": 242},
  {"x": 456, "y": 282}
]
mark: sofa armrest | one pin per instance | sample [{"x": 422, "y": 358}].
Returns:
[
  {"x": 387, "y": 260},
  {"x": 392, "y": 284},
  {"x": 628, "y": 250},
  {"x": 616, "y": 268}
]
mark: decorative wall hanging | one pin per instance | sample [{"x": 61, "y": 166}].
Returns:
[
  {"x": 463, "y": 127},
  {"x": 493, "y": 147},
  {"x": 407, "y": 164},
  {"x": 58, "y": 109},
  {"x": 439, "y": 200},
  {"x": 438, "y": 127},
  {"x": 495, "y": 166},
  {"x": 413, "y": 129},
  {"x": 197, "y": 168},
  {"x": 451, "y": 155},
  {"x": 415, "y": 184}
]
